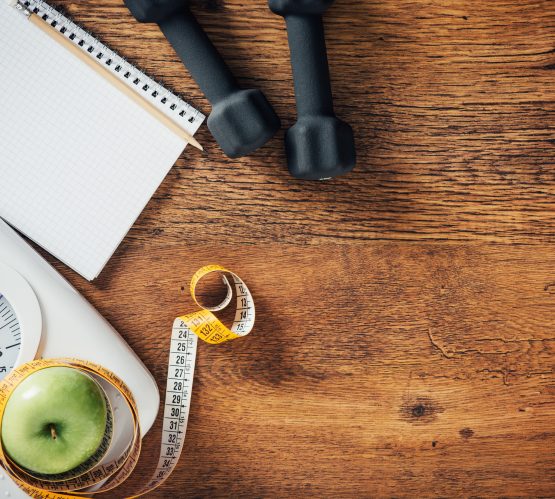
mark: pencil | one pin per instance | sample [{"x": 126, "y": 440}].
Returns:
[{"x": 53, "y": 33}]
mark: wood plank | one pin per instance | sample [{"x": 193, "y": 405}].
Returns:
[
  {"x": 452, "y": 105},
  {"x": 397, "y": 351},
  {"x": 393, "y": 369}
]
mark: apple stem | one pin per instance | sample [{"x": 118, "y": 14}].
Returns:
[{"x": 53, "y": 433}]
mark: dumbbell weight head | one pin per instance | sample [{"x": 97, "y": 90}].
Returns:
[
  {"x": 286, "y": 7},
  {"x": 243, "y": 122},
  {"x": 320, "y": 147}
]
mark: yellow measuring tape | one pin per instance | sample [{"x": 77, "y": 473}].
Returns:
[{"x": 104, "y": 476}]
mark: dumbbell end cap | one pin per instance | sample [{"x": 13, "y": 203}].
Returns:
[
  {"x": 243, "y": 122},
  {"x": 320, "y": 147}
]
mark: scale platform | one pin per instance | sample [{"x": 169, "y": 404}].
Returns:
[{"x": 43, "y": 316}]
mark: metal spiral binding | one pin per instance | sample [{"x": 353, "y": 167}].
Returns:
[{"x": 172, "y": 105}]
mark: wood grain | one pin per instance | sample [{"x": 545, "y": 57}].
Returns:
[
  {"x": 384, "y": 370},
  {"x": 405, "y": 340},
  {"x": 451, "y": 102}
]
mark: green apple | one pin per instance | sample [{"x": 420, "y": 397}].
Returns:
[{"x": 54, "y": 420}]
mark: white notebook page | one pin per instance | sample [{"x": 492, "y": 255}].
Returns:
[{"x": 78, "y": 159}]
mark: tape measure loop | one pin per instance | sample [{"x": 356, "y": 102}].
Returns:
[
  {"x": 206, "y": 325},
  {"x": 105, "y": 476}
]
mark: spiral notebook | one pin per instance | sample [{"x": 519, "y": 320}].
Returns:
[{"x": 78, "y": 159}]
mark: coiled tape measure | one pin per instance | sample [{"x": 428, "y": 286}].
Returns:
[{"x": 104, "y": 476}]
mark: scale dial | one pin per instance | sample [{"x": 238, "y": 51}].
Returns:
[
  {"x": 20, "y": 320},
  {"x": 10, "y": 337}
]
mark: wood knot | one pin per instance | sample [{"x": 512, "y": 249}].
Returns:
[
  {"x": 421, "y": 410},
  {"x": 466, "y": 433}
]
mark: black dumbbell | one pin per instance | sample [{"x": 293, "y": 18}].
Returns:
[
  {"x": 319, "y": 145},
  {"x": 241, "y": 120}
]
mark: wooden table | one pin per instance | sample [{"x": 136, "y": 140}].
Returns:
[{"x": 405, "y": 333}]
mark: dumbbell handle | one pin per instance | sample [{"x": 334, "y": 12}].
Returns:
[
  {"x": 312, "y": 80},
  {"x": 199, "y": 55}
]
